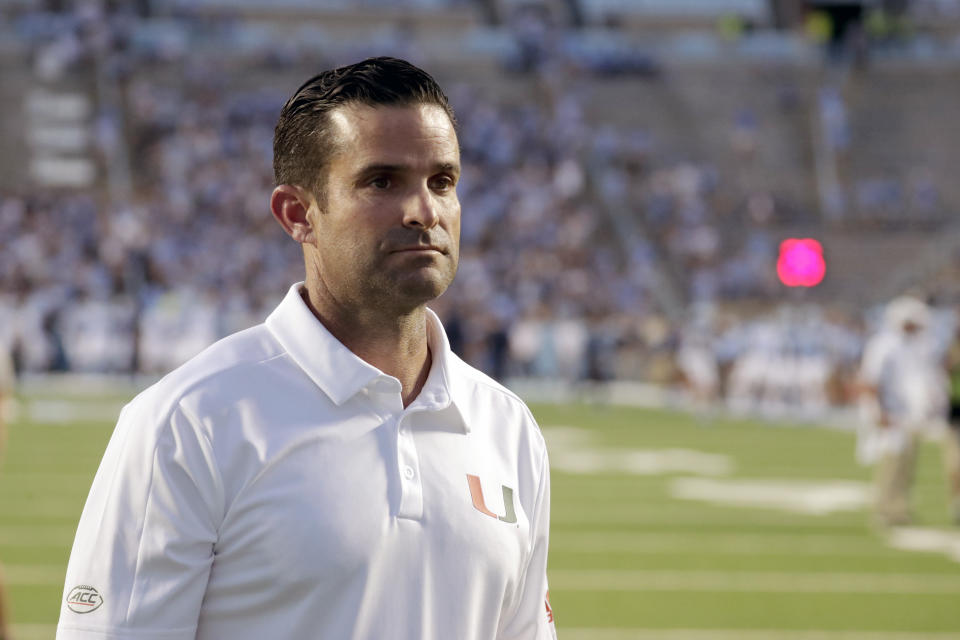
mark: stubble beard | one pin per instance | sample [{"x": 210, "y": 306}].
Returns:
[
  {"x": 382, "y": 288},
  {"x": 406, "y": 290}
]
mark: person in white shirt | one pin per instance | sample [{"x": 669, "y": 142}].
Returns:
[
  {"x": 903, "y": 398},
  {"x": 336, "y": 472},
  {"x": 697, "y": 362}
]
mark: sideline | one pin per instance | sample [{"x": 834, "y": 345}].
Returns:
[
  {"x": 809, "y": 497},
  {"x": 642, "y": 395},
  {"x": 754, "y": 581},
  {"x": 747, "y": 544},
  {"x": 74, "y": 386},
  {"x": 743, "y": 634},
  {"x": 573, "y": 450}
]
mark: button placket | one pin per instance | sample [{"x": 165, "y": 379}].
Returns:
[{"x": 411, "y": 494}]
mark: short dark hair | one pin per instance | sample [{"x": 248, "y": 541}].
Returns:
[{"x": 301, "y": 140}]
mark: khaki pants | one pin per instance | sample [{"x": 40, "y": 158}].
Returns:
[
  {"x": 951, "y": 462},
  {"x": 895, "y": 473},
  {"x": 894, "y": 476}
]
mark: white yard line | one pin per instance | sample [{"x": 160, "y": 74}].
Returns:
[
  {"x": 34, "y": 574},
  {"x": 815, "y": 498},
  {"x": 43, "y": 507},
  {"x": 925, "y": 539},
  {"x": 573, "y": 450},
  {"x": 37, "y": 535},
  {"x": 753, "y": 581},
  {"x": 28, "y": 478},
  {"x": 33, "y": 631},
  {"x": 680, "y": 515},
  {"x": 714, "y": 543},
  {"x": 71, "y": 413},
  {"x": 744, "y": 634}
]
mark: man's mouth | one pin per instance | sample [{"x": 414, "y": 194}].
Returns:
[{"x": 420, "y": 248}]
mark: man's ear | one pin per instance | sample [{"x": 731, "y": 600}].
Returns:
[{"x": 290, "y": 205}]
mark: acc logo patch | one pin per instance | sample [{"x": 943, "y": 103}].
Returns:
[{"x": 84, "y": 599}]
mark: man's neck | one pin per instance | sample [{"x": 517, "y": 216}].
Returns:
[{"x": 395, "y": 344}]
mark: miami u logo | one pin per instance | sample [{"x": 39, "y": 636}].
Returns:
[{"x": 476, "y": 492}]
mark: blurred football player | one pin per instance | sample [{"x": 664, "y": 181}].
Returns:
[{"x": 903, "y": 398}]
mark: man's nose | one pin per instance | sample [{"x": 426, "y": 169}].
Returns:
[{"x": 421, "y": 210}]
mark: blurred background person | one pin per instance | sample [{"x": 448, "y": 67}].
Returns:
[
  {"x": 904, "y": 399},
  {"x": 697, "y": 362}
]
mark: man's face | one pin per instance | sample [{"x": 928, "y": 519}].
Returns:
[
  {"x": 387, "y": 228},
  {"x": 911, "y": 328}
]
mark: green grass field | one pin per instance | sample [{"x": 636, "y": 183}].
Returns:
[{"x": 661, "y": 528}]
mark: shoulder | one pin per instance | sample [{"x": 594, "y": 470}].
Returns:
[
  {"x": 879, "y": 353},
  {"x": 482, "y": 395},
  {"x": 473, "y": 380},
  {"x": 226, "y": 369},
  {"x": 880, "y": 344}
]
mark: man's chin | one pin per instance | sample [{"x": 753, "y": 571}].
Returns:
[
  {"x": 419, "y": 288},
  {"x": 421, "y": 293}
]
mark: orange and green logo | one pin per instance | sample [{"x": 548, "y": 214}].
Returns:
[{"x": 476, "y": 493}]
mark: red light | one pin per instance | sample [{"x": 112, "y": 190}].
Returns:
[{"x": 801, "y": 262}]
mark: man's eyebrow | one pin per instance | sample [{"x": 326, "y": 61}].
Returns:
[
  {"x": 386, "y": 167},
  {"x": 448, "y": 167},
  {"x": 382, "y": 168}
]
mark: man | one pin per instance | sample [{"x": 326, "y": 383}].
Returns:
[
  {"x": 335, "y": 472},
  {"x": 903, "y": 398}
]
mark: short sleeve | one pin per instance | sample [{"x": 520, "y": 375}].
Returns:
[{"x": 144, "y": 545}]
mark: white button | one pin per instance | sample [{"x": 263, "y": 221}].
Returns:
[{"x": 409, "y": 472}]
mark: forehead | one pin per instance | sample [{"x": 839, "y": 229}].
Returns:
[{"x": 409, "y": 135}]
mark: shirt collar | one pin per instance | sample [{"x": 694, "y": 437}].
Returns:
[
  {"x": 444, "y": 387},
  {"x": 341, "y": 374},
  {"x": 335, "y": 369}
]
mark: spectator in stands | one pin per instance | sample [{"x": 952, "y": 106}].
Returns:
[
  {"x": 697, "y": 362},
  {"x": 150, "y": 265},
  {"x": 782, "y": 362}
]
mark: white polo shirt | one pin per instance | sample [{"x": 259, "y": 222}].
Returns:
[
  {"x": 909, "y": 376},
  {"x": 274, "y": 487}
]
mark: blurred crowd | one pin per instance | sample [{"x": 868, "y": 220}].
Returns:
[{"x": 570, "y": 234}]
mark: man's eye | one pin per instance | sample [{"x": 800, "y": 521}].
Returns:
[
  {"x": 380, "y": 183},
  {"x": 442, "y": 183}
]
